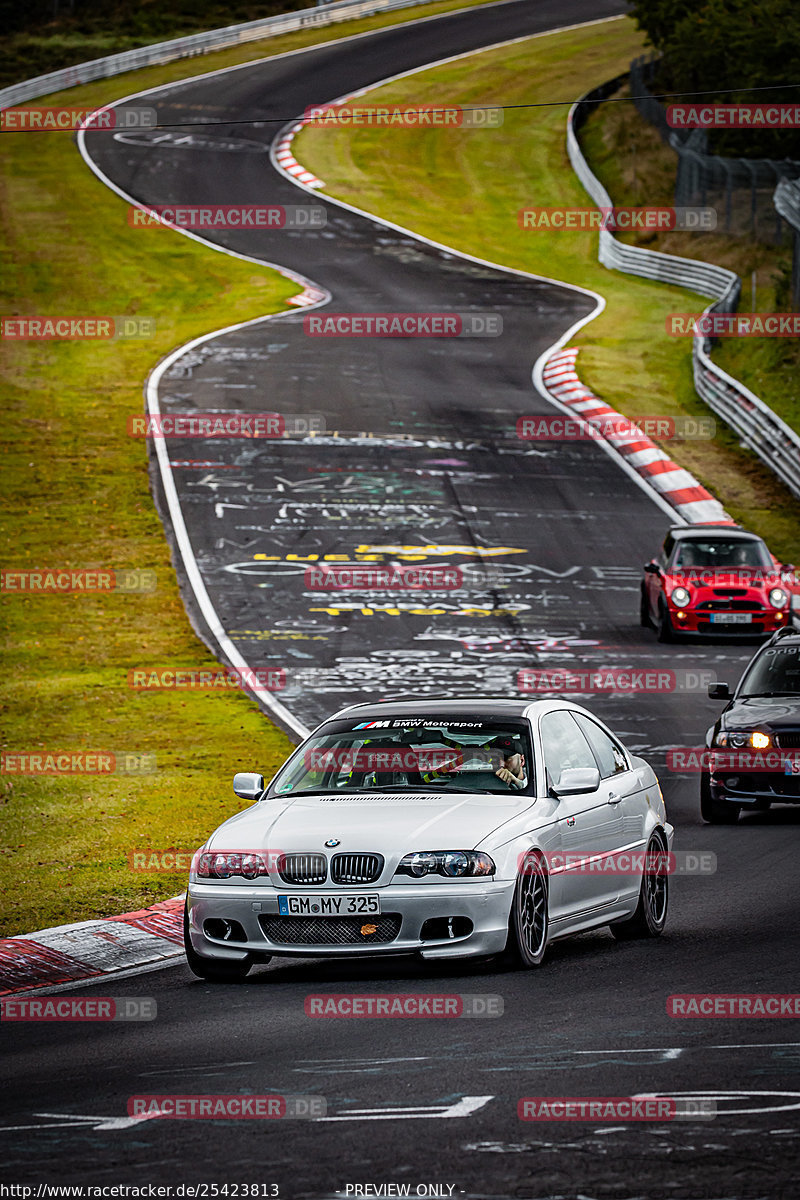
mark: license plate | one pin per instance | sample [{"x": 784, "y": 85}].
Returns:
[
  {"x": 330, "y": 906},
  {"x": 731, "y": 618}
]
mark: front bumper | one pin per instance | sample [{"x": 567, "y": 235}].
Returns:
[
  {"x": 698, "y": 623},
  {"x": 484, "y": 907},
  {"x": 744, "y": 788}
]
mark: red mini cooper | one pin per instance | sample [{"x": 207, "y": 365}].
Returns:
[{"x": 717, "y": 579}]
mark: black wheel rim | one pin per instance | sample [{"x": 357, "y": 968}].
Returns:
[
  {"x": 656, "y": 882},
  {"x": 532, "y": 909}
]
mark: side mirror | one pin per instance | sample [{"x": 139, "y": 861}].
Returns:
[
  {"x": 652, "y": 568},
  {"x": 719, "y": 691},
  {"x": 576, "y": 780},
  {"x": 247, "y": 785}
]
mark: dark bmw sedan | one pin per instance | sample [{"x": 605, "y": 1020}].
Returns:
[{"x": 754, "y": 747}]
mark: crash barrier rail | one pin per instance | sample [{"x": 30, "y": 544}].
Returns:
[
  {"x": 194, "y": 44},
  {"x": 787, "y": 203},
  {"x": 758, "y": 427},
  {"x": 741, "y": 189}
]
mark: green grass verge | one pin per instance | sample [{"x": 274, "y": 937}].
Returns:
[
  {"x": 465, "y": 188},
  {"x": 77, "y": 496}
]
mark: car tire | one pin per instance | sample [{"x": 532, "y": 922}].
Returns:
[
  {"x": 210, "y": 969},
  {"x": 644, "y": 610},
  {"x": 650, "y": 917},
  {"x": 664, "y": 630},
  {"x": 716, "y": 812},
  {"x": 529, "y": 920}
]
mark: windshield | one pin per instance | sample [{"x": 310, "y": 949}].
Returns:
[
  {"x": 721, "y": 553},
  {"x": 776, "y": 672},
  {"x": 406, "y": 755}
]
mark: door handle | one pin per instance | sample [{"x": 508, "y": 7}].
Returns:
[{"x": 614, "y": 798}]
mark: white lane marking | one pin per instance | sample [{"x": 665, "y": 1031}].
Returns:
[
  {"x": 723, "y": 1094},
  {"x": 362, "y": 1061},
  {"x": 84, "y": 1122},
  {"x": 462, "y": 1108},
  {"x": 675, "y": 1051}
]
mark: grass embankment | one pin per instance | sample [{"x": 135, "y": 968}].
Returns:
[
  {"x": 636, "y": 167},
  {"x": 77, "y": 496},
  {"x": 466, "y": 187}
]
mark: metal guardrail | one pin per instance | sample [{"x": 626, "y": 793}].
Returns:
[
  {"x": 787, "y": 204},
  {"x": 194, "y": 44},
  {"x": 758, "y": 427}
]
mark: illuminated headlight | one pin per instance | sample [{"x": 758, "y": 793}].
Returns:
[
  {"x": 680, "y": 597},
  {"x": 778, "y": 598},
  {"x": 454, "y": 864},
  {"x": 224, "y": 865},
  {"x": 740, "y": 738}
]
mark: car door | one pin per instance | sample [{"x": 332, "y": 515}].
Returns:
[
  {"x": 625, "y": 793},
  {"x": 589, "y": 825}
]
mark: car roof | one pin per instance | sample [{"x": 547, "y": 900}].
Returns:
[
  {"x": 705, "y": 531},
  {"x": 410, "y": 706}
]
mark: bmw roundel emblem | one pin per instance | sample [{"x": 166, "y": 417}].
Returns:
[{"x": 331, "y": 842}]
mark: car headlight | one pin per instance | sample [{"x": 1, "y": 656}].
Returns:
[
  {"x": 778, "y": 598},
  {"x": 740, "y": 738},
  {"x": 454, "y": 864},
  {"x": 222, "y": 865},
  {"x": 680, "y": 597}
]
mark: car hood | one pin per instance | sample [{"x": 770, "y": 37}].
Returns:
[
  {"x": 385, "y": 822},
  {"x": 775, "y": 711}
]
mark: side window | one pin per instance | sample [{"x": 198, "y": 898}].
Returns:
[
  {"x": 564, "y": 745},
  {"x": 609, "y": 754},
  {"x": 666, "y": 550}
]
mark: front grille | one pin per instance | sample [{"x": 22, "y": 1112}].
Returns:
[
  {"x": 730, "y": 606},
  {"x": 330, "y": 931},
  {"x": 729, "y": 591},
  {"x": 356, "y": 868},
  {"x": 307, "y": 869},
  {"x": 788, "y": 739}
]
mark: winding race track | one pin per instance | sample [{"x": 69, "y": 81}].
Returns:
[{"x": 420, "y": 465}]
